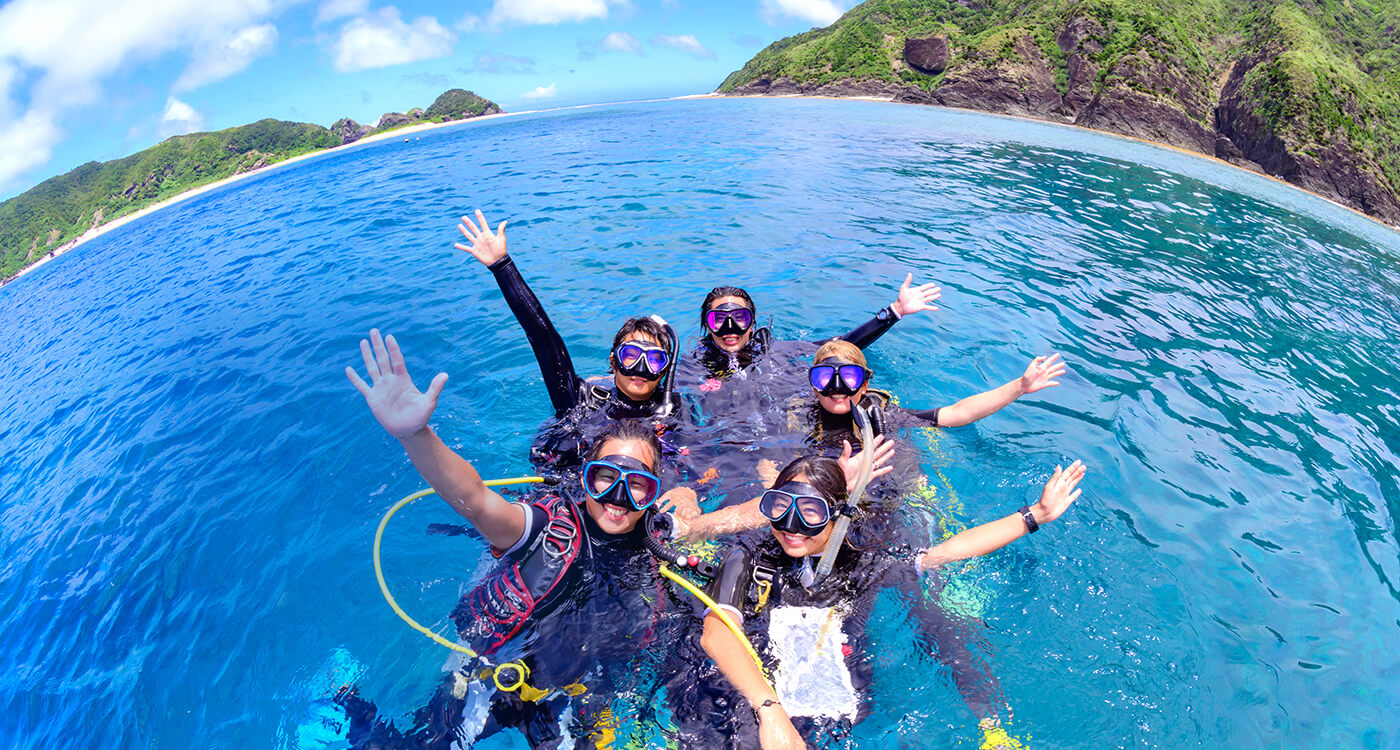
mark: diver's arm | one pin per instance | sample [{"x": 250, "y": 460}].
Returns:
[
  {"x": 1041, "y": 373},
  {"x": 403, "y": 411},
  {"x": 911, "y": 299},
  {"x": 1057, "y": 496},
  {"x": 556, "y": 366},
  {"x": 775, "y": 728},
  {"x": 456, "y": 481},
  {"x": 722, "y": 522}
]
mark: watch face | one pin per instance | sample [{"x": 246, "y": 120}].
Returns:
[{"x": 884, "y": 314}]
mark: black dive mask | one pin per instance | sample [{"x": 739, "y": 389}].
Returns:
[
  {"x": 796, "y": 508},
  {"x": 835, "y": 377},
  {"x": 622, "y": 481},
  {"x": 729, "y": 319}
]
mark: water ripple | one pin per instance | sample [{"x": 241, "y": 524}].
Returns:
[{"x": 190, "y": 485}]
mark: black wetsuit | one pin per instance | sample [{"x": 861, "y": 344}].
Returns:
[
  {"x": 740, "y": 402},
  {"x": 824, "y": 689},
  {"x": 585, "y": 631},
  {"x": 582, "y": 410}
]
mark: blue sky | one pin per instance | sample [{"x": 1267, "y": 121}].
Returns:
[{"x": 84, "y": 80}]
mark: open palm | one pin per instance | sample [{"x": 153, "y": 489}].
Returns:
[
  {"x": 1041, "y": 373},
  {"x": 397, "y": 404}
]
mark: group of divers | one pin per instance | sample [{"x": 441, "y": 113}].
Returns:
[{"x": 576, "y": 612}]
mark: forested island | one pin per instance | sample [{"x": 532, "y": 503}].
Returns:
[
  {"x": 1305, "y": 90},
  {"x": 58, "y": 210}
]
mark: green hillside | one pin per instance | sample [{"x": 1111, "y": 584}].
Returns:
[
  {"x": 1307, "y": 91},
  {"x": 62, "y": 208}
]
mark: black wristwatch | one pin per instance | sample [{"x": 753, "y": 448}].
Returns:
[
  {"x": 1028, "y": 517},
  {"x": 887, "y": 315}
]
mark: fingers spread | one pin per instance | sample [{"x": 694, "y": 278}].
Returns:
[
  {"x": 435, "y": 387},
  {"x": 396, "y": 364},
  {"x": 371, "y": 366},
  {"x": 360, "y": 385},
  {"x": 381, "y": 354},
  {"x": 468, "y": 223}
]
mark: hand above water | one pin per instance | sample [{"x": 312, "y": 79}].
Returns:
[
  {"x": 485, "y": 246},
  {"x": 882, "y": 452},
  {"x": 398, "y": 405},
  {"x": 1060, "y": 492},
  {"x": 1041, "y": 373},
  {"x": 916, "y": 299}
]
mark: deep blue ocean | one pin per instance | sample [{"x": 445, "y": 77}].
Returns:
[{"x": 189, "y": 486}]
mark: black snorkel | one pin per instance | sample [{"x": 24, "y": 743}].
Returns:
[
  {"x": 657, "y": 528},
  {"x": 668, "y": 380}
]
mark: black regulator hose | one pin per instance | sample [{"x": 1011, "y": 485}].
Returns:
[{"x": 658, "y": 528}]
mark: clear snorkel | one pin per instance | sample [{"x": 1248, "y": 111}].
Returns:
[{"x": 843, "y": 518}]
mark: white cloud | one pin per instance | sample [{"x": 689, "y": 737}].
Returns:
[
  {"x": 331, "y": 10},
  {"x": 621, "y": 41},
  {"x": 59, "y": 52},
  {"x": 179, "y": 118},
  {"x": 534, "y": 12},
  {"x": 468, "y": 23},
  {"x": 685, "y": 43},
  {"x": 541, "y": 92},
  {"x": 232, "y": 56},
  {"x": 26, "y": 143},
  {"x": 820, "y": 12},
  {"x": 382, "y": 38}
]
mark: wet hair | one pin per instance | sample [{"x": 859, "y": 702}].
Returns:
[
  {"x": 646, "y": 327},
  {"x": 843, "y": 349},
  {"x": 725, "y": 291},
  {"x": 823, "y": 472},
  {"x": 628, "y": 430}
]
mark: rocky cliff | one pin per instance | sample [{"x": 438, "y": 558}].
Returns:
[{"x": 1306, "y": 91}]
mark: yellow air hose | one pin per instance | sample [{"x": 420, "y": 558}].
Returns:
[
  {"x": 665, "y": 571},
  {"x": 723, "y": 617},
  {"x": 379, "y": 571}
]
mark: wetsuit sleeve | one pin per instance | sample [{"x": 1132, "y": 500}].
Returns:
[
  {"x": 900, "y": 418},
  {"x": 731, "y": 584},
  {"x": 866, "y": 333},
  {"x": 556, "y": 366},
  {"x": 535, "y": 521}
]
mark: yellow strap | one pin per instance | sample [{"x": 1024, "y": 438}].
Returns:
[
  {"x": 379, "y": 571},
  {"x": 723, "y": 617}
]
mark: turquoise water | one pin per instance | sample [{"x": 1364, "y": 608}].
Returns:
[{"x": 190, "y": 487}]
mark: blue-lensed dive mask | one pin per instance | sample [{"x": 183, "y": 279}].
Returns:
[
  {"x": 622, "y": 481},
  {"x": 639, "y": 359},
  {"x": 797, "y": 508},
  {"x": 834, "y": 377}
]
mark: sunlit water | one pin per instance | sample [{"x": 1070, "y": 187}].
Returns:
[{"x": 190, "y": 487}]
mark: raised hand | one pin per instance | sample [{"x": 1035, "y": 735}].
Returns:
[
  {"x": 486, "y": 246},
  {"x": 916, "y": 299},
  {"x": 881, "y": 452},
  {"x": 1059, "y": 493},
  {"x": 1041, "y": 373},
  {"x": 398, "y": 405}
]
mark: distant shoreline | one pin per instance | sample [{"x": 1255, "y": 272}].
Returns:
[{"x": 96, "y": 232}]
